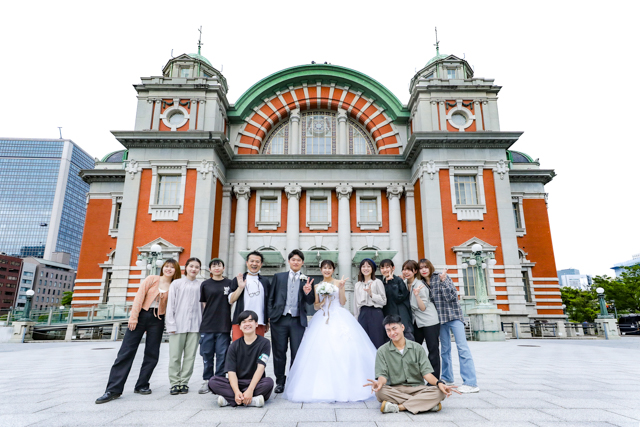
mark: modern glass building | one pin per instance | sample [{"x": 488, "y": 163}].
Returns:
[{"x": 42, "y": 198}]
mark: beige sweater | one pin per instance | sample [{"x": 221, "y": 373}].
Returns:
[
  {"x": 147, "y": 293},
  {"x": 377, "y": 299}
]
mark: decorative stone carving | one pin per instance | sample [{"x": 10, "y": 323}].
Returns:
[
  {"x": 430, "y": 168},
  {"x": 293, "y": 191},
  {"x": 394, "y": 191},
  {"x": 408, "y": 191},
  {"x": 205, "y": 168},
  {"x": 344, "y": 191},
  {"x": 133, "y": 168},
  {"x": 242, "y": 191},
  {"x": 502, "y": 167}
]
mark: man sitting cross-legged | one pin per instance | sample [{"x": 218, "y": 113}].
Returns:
[
  {"x": 245, "y": 363},
  {"x": 402, "y": 367}
]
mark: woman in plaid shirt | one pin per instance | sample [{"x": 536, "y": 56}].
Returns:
[{"x": 445, "y": 297}]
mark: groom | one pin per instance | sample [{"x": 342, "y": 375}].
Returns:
[{"x": 287, "y": 307}]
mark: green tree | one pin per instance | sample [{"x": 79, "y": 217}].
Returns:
[
  {"x": 581, "y": 305},
  {"x": 66, "y": 299},
  {"x": 624, "y": 291}
]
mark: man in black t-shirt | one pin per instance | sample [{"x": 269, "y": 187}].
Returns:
[
  {"x": 215, "y": 329},
  {"x": 246, "y": 361}
]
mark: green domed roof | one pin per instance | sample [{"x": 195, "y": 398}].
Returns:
[
  {"x": 519, "y": 157},
  {"x": 436, "y": 58},
  {"x": 200, "y": 57},
  {"x": 116, "y": 157}
]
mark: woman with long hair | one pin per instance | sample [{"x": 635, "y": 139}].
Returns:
[
  {"x": 370, "y": 297},
  {"x": 147, "y": 315},
  {"x": 427, "y": 324},
  {"x": 333, "y": 335},
  {"x": 184, "y": 314}
]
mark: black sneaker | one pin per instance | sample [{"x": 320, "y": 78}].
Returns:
[
  {"x": 184, "y": 389},
  {"x": 143, "y": 390},
  {"x": 108, "y": 397},
  {"x": 174, "y": 390}
]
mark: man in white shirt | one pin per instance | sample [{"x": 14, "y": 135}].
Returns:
[{"x": 250, "y": 291}]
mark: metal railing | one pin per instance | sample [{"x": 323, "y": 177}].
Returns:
[{"x": 56, "y": 316}]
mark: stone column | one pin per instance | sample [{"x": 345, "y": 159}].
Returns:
[
  {"x": 410, "y": 214},
  {"x": 243, "y": 193},
  {"x": 344, "y": 240},
  {"x": 342, "y": 140},
  {"x": 204, "y": 209},
  {"x": 432, "y": 225},
  {"x": 294, "y": 135},
  {"x": 394, "y": 193},
  {"x": 225, "y": 226},
  {"x": 293, "y": 216}
]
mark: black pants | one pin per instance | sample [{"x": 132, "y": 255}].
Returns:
[
  {"x": 222, "y": 387},
  {"x": 371, "y": 318},
  {"x": 430, "y": 334},
  {"x": 286, "y": 330},
  {"x": 154, "y": 328}
]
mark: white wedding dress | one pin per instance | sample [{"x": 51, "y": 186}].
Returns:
[{"x": 334, "y": 360}]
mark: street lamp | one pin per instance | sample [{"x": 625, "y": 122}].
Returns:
[
  {"x": 152, "y": 261},
  {"x": 564, "y": 309},
  {"x": 481, "y": 261},
  {"x": 61, "y": 310},
  {"x": 27, "y": 306},
  {"x": 604, "y": 314}
]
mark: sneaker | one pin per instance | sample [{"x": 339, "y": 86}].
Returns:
[
  {"x": 184, "y": 389},
  {"x": 468, "y": 389},
  {"x": 257, "y": 401},
  {"x": 174, "y": 390},
  {"x": 389, "y": 408},
  {"x": 205, "y": 388},
  {"x": 222, "y": 401},
  {"x": 436, "y": 408}
]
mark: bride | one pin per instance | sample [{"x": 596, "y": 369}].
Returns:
[{"x": 336, "y": 354}]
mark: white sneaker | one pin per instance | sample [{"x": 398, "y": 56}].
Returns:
[
  {"x": 389, "y": 408},
  {"x": 205, "y": 388},
  {"x": 468, "y": 389},
  {"x": 222, "y": 401},
  {"x": 257, "y": 401},
  {"x": 436, "y": 408}
]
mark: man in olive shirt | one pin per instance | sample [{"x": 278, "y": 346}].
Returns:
[{"x": 402, "y": 367}]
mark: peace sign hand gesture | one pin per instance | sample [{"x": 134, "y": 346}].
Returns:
[
  {"x": 443, "y": 275},
  {"x": 307, "y": 288},
  {"x": 416, "y": 290},
  {"x": 341, "y": 283}
]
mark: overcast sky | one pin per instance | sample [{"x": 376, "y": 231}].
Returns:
[{"x": 568, "y": 71}]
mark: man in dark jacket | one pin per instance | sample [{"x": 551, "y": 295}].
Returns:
[
  {"x": 250, "y": 291},
  {"x": 398, "y": 294},
  {"x": 289, "y": 295}
]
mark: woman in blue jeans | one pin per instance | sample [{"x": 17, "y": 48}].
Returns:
[{"x": 445, "y": 297}]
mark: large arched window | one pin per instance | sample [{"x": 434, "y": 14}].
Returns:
[{"x": 318, "y": 135}]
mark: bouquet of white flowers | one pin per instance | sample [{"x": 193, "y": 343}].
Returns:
[{"x": 326, "y": 288}]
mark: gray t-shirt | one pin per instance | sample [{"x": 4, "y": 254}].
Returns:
[
  {"x": 184, "y": 312},
  {"x": 429, "y": 317}
]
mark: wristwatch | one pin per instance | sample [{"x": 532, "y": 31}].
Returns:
[{"x": 440, "y": 382}]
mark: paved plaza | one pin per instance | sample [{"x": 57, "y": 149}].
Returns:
[{"x": 523, "y": 383}]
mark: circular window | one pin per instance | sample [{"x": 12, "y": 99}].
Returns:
[
  {"x": 458, "y": 119},
  {"x": 176, "y": 118}
]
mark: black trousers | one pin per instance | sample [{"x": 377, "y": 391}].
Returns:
[
  {"x": 287, "y": 330},
  {"x": 154, "y": 328},
  {"x": 430, "y": 334},
  {"x": 222, "y": 387},
  {"x": 370, "y": 318}
]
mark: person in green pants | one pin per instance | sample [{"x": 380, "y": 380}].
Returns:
[{"x": 183, "y": 318}]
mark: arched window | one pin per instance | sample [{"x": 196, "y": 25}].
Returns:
[
  {"x": 318, "y": 135},
  {"x": 318, "y": 132},
  {"x": 278, "y": 141}
]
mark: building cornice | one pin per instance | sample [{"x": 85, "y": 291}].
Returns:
[
  {"x": 102, "y": 175},
  {"x": 543, "y": 176},
  {"x": 480, "y": 139},
  {"x": 336, "y": 161}
]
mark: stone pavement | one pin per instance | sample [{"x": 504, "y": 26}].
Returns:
[{"x": 523, "y": 383}]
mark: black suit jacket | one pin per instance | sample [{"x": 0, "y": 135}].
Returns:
[
  {"x": 240, "y": 303},
  {"x": 278, "y": 298}
]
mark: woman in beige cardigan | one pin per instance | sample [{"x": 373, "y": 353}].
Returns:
[
  {"x": 147, "y": 315},
  {"x": 370, "y": 297}
]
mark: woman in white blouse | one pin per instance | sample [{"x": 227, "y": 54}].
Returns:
[{"x": 370, "y": 297}]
